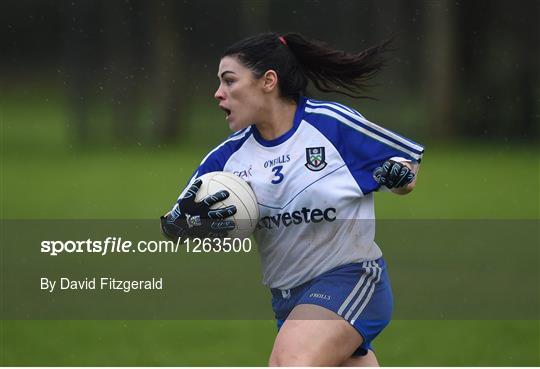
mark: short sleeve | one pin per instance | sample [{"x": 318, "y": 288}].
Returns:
[
  {"x": 362, "y": 145},
  {"x": 216, "y": 159}
]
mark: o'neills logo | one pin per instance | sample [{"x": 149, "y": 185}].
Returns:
[{"x": 305, "y": 215}]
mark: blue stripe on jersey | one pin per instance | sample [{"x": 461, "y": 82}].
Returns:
[
  {"x": 341, "y": 107},
  {"x": 361, "y": 150},
  {"x": 314, "y": 102},
  {"x": 362, "y": 121},
  {"x": 375, "y": 130},
  {"x": 375, "y": 133},
  {"x": 216, "y": 159},
  {"x": 399, "y": 149},
  {"x": 355, "y": 118}
]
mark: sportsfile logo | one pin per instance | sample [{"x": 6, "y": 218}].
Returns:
[{"x": 305, "y": 215}]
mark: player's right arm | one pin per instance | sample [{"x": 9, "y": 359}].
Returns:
[{"x": 190, "y": 218}]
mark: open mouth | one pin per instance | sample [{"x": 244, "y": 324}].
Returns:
[{"x": 227, "y": 112}]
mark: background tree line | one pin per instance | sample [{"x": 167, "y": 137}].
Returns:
[{"x": 472, "y": 67}]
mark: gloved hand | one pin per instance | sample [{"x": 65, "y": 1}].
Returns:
[
  {"x": 189, "y": 218},
  {"x": 393, "y": 174}
]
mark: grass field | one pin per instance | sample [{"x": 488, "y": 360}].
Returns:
[
  {"x": 43, "y": 178},
  {"x": 248, "y": 343},
  {"x": 454, "y": 182}
]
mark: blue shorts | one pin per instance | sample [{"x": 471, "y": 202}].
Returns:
[{"x": 360, "y": 293}]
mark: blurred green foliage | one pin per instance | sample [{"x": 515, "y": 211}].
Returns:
[{"x": 464, "y": 69}]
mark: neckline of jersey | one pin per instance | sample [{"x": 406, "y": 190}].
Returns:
[{"x": 284, "y": 137}]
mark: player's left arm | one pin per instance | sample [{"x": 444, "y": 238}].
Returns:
[
  {"x": 410, "y": 186},
  {"x": 398, "y": 175}
]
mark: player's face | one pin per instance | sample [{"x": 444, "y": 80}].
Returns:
[{"x": 239, "y": 93}]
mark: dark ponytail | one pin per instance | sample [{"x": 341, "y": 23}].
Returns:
[{"x": 297, "y": 60}]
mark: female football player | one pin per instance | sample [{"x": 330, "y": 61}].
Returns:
[{"x": 314, "y": 166}]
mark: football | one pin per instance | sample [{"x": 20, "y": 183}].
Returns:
[{"x": 240, "y": 194}]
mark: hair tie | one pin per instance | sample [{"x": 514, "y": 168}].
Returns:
[{"x": 282, "y": 40}]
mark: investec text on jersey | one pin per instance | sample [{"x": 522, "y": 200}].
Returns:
[{"x": 305, "y": 215}]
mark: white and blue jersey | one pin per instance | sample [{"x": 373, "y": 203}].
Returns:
[{"x": 314, "y": 185}]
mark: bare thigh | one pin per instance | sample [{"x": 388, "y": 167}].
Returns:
[
  {"x": 368, "y": 360},
  {"x": 314, "y": 336}
]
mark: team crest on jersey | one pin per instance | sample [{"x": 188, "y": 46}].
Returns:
[{"x": 315, "y": 158}]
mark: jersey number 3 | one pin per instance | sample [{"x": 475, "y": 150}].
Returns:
[{"x": 278, "y": 174}]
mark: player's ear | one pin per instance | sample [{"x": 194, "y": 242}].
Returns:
[{"x": 269, "y": 80}]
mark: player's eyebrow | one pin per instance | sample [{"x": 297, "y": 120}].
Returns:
[{"x": 227, "y": 71}]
